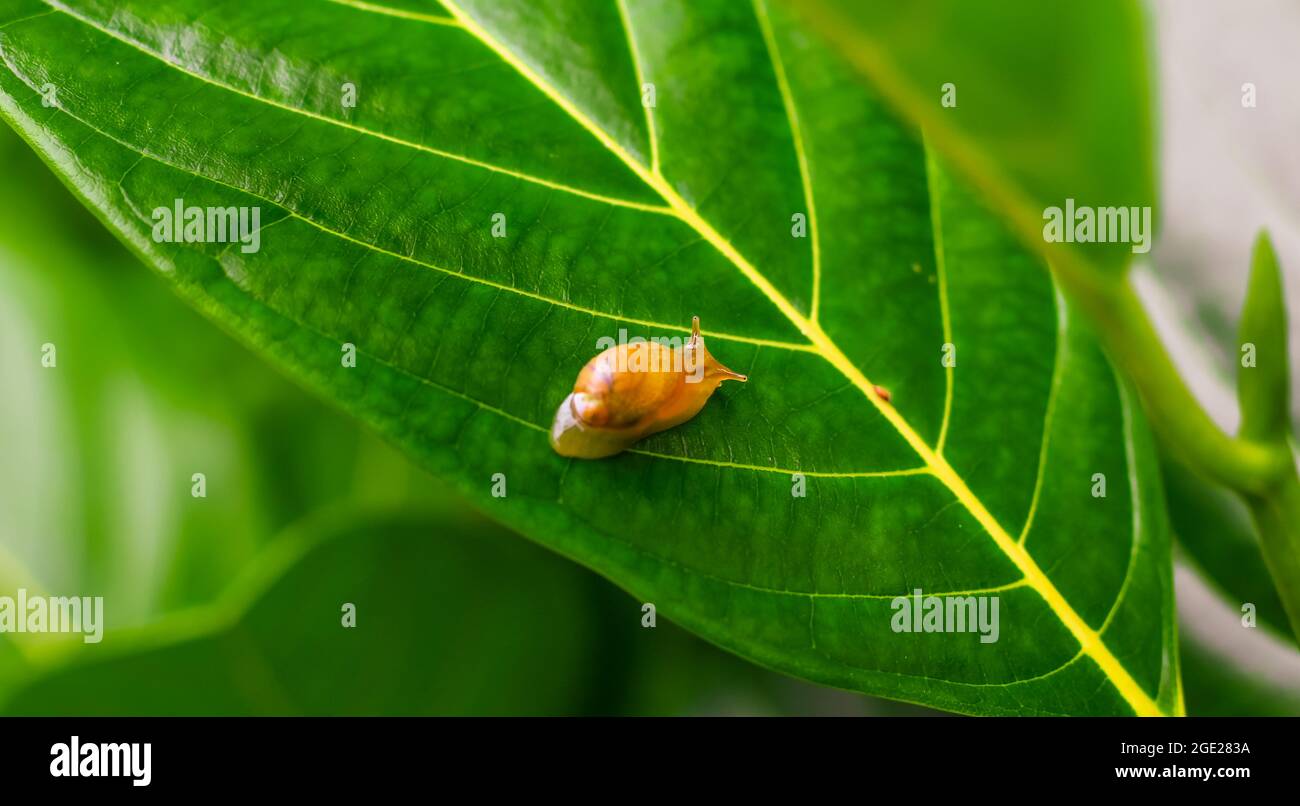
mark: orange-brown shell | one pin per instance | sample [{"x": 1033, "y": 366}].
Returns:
[{"x": 630, "y": 391}]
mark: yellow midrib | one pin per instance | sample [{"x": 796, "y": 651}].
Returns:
[
  {"x": 400, "y": 13},
  {"x": 1089, "y": 640}
]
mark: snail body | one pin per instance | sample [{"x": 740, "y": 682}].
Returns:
[{"x": 631, "y": 391}]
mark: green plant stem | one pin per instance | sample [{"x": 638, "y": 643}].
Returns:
[
  {"x": 1262, "y": 473},
  {"x": 1178, "y": 418}
]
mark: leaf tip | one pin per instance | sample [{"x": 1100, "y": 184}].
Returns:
[{"x": 1263, "y": 388}]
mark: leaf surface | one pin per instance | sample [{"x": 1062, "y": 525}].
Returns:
[{"x": 377, "y": 230}]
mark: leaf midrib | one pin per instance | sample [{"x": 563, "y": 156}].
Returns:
[{"x": 1090, "y": 641}]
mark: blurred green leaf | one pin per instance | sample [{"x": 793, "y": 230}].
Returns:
[
  {"x": 1264, "y": 387},
  {"x": 1213, "y": 526},
  {"x": 378, "y": 232},
  {"x": 1216, "y": 685},
  {"x": 1264, "y": 391},
  {"x": 99, "y": 450},
  {"x": 1053, "y": 100},
  {"x": 95, "y": 480},
  {"x": 451, "y": 618}
]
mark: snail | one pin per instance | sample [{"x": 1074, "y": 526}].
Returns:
[{"x": 630, "y": 391}]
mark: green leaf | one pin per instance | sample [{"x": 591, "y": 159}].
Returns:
[
  {"x": 1213, "y": 526},
  {"x": 447, "y": 613},
  {"x": 1053, "y": 101},
  {"x": 1264, "y": 391},
  {"x": 377, "y": 231},
  {"x": 67, "y": 280},
  {"x": 1263, "y": 387}
]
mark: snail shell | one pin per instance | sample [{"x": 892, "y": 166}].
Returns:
[{"x": 630, "y": 391}]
